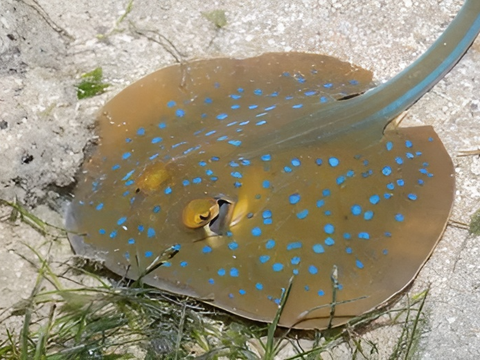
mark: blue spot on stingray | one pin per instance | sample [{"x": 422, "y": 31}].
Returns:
[
  {"x": 257, "y": 92},
  {"x": 353, "y": 82},
  {"x": 326, "y": 192},
  {"x": 156, "y": 140},
  {"x": 251, "y": 107},
  {"x": 260, "y": 123},
  {"x": 233, "y": 245},
  {"x": 141, "y": 228},
  {"x": 321, "y": 293},
  {"x": 264, "y": 258},
  {"x": 235, "y": 142},
  {"x": 208, "y": 100},
  {"x": 302, "y": 214},
  {"x": 168, "y": 190},
  {"x": 387, "y": 170},
  {"x": 294, "y": 245},
  {"x": 368, "y": 215},
  {"x": 323, "y": 99},
  {"x": 267, "y": 214},
  {"x": 259, "y": 286},
  {"x": 129, "y": 182},
  {"x": 320, "y": 203},
  {"x": 242, "y": 292},
  {"x": 185, "y": 182},
  {"x": 408, "y": 144},
  {"x": 141, "y": 131},
  {"x": 221, "y": 272},
  {"x": 318, "y": 161},
  {"x": 211, "y": 281},
  {"x": 359, "y": 264},
  {"x": 318, "y": 249},
  {"x": 348, "y": 250},
  {"x": 197, "y": 180},
  {"x": 399, "y": 217},
  {"x": 99, "y": 206},
  {"x": 113, "y": 234},
  {"x": 180, "y": 113},
  {"x": 207, "y": 249},
  {"x": 294, "y": 198},
  {"x": 236, "y": 175},
  {"x": 400, "y": 182},
  {"x": 356, "y": 210},
  {"x": 312, "y": 270},
  {"x": 390, "y": 186},
  {"x": 399, "y": 160},
  {"x": 364, "y": 235},
  {"x": 333, "y": 162},
  {"x": 210, "y": 133},
  {"x": 171, "y": 103},
  {"x": 295, "y": 260},
  {"x": 374, "y": 199},
  {"x": 222, "y": 116},
  {"x": 270, "y": 244},
  {"x": 126, "y": 155},
  {"x": 266, "y": 157},
  {"x": 389, "y": 146},
  {"x": 234, "y": 272},
  {"x": 329, "y": 241},
  {"x": 297, "y": 106},
  {"x": 121, "y": 220},
  {"x": 328, "y": 85},
  {"x": 266, "y": 184},
  {"x": 277, "y": 267},
  {"x": 115, "y": 167},
  {"x": 296, "y": 162},
  {"x": 329, "y": 229},
  {"x": 150, "y": 232},
  {"x": 341, "y": 180},
  {"x": 256, "y": 231},
  {"x": 131, "y": 241},
  {"x": 148, "y": 254},
  {"x": 287, "y": 169},
  {"x": 412, "y": 197},
  {"x": 102, "y": 232}
]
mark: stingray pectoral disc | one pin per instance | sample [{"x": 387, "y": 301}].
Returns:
[{"x": 352, "y": 225}]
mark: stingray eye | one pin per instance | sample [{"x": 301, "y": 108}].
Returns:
[{"x": 200, "y": 212}]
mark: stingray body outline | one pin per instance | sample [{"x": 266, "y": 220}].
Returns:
[{"x": 308, "y": 179}]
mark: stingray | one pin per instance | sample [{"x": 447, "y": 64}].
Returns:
[{"x": 233, "y": 180}]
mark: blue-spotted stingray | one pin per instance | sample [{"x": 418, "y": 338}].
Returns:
[{"x": 226, "y": 180}]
